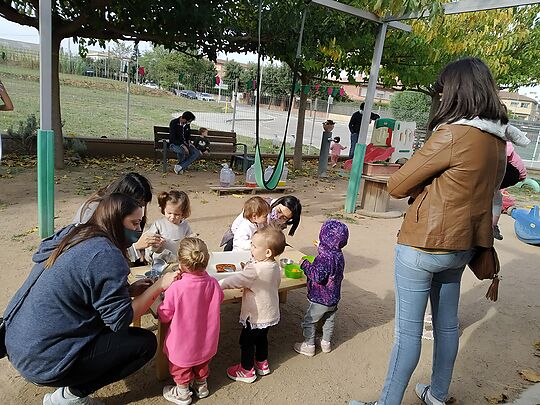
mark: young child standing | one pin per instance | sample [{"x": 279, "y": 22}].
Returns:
[
  {"x": 173, "y": 226},
  {"x": 253, "y": 216},
  {"x": 191, "y": 306},
  {"x": 335, "y": 150},
  {"x": 260, "y": 303},
  {"x": 201, "y": 142},
  {"x": 324, "y": 277}
]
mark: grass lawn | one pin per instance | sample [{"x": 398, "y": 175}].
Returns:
[{"x": 95, "y": 107}]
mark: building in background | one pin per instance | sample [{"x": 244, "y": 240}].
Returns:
[{"x": 522, "y": 107}]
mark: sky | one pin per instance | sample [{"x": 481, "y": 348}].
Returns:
[{"x": 16, "y": 32}]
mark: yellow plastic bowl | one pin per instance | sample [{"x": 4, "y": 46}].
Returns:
[{"x": 293, "y": 270}]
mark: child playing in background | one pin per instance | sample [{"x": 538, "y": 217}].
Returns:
[
  {"x": 254, "y": 215},
  {"x": 260, "y": 303},
  {"x": 335, "y": 150},
  {"x": 175, "y": 207},
  {"x": 191, "y": 306},
  {"x": 201, "y": 142},
  {"x": 324, "y": 277}
]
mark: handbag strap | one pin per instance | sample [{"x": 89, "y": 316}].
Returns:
[{"x": 16, "y": 307}]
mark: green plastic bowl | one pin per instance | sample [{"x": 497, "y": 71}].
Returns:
[
  {"x": 308, "y": 258},
  {"x": 293, "y": 270}
]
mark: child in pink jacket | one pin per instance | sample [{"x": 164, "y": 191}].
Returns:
[
  {"x": 260, "y": 303},
  {"x": 191, "y": 306}
]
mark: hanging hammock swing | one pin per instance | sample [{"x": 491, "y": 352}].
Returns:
[{"x": 272, "y": 182}]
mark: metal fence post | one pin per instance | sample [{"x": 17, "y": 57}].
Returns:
[{"x": 234, "y": 106}]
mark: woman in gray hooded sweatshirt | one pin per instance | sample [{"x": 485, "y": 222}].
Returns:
[{"x": 68, "y": 325}]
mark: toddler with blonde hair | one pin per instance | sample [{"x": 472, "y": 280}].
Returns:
[{"x": 191, "y": 305}]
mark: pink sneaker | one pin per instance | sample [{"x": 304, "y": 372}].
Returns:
[
  {"x": 238, "y": 373},
  {"x": 262, "y": 367}
]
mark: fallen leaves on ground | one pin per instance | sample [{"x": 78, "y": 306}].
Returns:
[
  {"x": 530, "y": 375},
  {"x": 499, "y": 399}
]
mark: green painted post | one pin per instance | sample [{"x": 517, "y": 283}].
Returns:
[
  {"x": 356, "y": 176},
  {"x": 45, "y": 145}
]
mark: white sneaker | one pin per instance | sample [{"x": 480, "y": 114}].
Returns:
[
  {"x": 177, "y": 395},
  {"x": 305, "y": 349},
  {"x": 62, "y": 396},
  {"x": 326, "y": 346},
  {"x": 178, "y": 169},
  {"x": 201, "y": 388}
]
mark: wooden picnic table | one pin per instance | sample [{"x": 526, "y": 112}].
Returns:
[{"x": 232, "y": 295}]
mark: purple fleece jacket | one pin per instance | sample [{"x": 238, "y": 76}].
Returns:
[{"x": 325, "y": 274}]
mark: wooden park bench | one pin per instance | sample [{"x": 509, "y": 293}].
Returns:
[{"x": 222, "y": 145}]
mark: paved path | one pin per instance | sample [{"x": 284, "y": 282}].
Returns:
[{"x": 272, "y": 125}]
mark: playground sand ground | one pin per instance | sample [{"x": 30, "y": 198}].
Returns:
[{"x": 497, "y": 339}]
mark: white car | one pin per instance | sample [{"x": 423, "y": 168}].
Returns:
[{"x": 205, "y": 97}]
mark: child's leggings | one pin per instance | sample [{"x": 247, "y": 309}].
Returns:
[
  {"x": 254, "y": 345},
  {"x": 184, "y": 375}
]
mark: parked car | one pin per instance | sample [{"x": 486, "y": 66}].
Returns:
[
  {"x": 151, "y": 85},
  {"x": 205, "y": 97},
  {"x": 188, "y": 94}
]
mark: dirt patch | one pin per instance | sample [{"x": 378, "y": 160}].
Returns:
[{"x": 497, "y": 338}]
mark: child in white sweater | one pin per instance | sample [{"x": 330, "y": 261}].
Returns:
[
  {"x": 260, "y": 303},
  {"x": 173, "y": 226},
  {"x": 254, "y": 215}
]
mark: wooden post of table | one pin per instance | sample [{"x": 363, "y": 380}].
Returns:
[
  {"x": 162, "y": 364},
  {"x": 282, "y": 297},
  {"x": 375, "y": 196}
]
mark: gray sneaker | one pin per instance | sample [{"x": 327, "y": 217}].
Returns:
[
  {"x": 178, "y": 169},
  {"x": 422, "y": 392},
  {"x": 62, "y": 396}
]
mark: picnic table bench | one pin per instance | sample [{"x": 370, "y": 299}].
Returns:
[
  {"x": 223, "y": 144},
  {"x": 232, "y": 295}
]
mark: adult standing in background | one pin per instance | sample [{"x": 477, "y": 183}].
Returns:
[{"x": 354, "y": 126}]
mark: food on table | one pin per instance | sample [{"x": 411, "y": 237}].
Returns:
[{"x": 225, "y": 268}]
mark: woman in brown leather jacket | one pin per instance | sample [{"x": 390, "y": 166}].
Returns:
[{"x": 452, "y": 180}]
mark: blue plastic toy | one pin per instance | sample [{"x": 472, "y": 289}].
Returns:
[{"x": 527, "y": 225}]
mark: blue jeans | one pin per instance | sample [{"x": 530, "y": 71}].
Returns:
[
  {"x": 354, "y": 141},
  {"x": 419, "y": 275},
  {"x": 314, "y": 314},
  {"x": 184, "y": 161}
]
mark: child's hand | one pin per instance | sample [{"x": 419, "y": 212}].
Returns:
[{"x": 168, "y": 279}]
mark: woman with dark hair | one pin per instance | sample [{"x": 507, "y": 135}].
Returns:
[
  {"x": 451, "y": 180},
  {"x": 68, "y": 325},
  {"x": 285, "y": 211},
  {"x": 137, "y": 187}
]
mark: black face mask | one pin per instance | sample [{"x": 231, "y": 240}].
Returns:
[{"x": 131, "y": 236}]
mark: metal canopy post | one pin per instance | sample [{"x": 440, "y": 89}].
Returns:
[
  {"x": 360, "y": 149},
  {"x": 45, "y": 141}
]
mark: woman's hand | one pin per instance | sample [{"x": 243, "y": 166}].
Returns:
[
  {"x": 168, "y": 278},
  {"x": 148, "y": 239},
  {"x": 139, "y": 286}
]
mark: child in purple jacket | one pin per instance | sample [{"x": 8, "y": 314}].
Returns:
[{"x": 324, "y": 277}]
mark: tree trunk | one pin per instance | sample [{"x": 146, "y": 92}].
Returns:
[
  {"x": 299, "y": 142},
  {"x": 56, "y": 112},
  {"x": 435, "y": 103}
]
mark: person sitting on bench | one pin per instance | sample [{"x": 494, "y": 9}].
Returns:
[
  {"x": 180, "y": 141},
  {"x": 201, "y": 142}
]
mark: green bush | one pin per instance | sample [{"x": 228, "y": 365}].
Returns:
[
  {"x": 25, "y": 137},
  {"x": 411, "y": 106}
]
